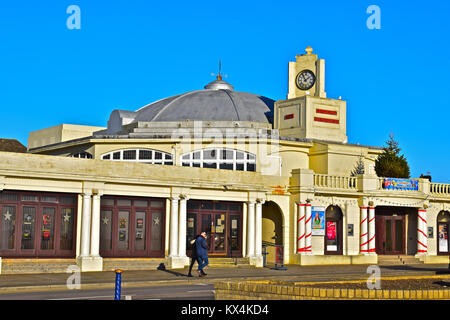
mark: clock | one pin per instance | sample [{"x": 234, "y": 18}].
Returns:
[{"x": 305, "y": 80}]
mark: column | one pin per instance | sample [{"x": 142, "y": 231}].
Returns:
[
  {"x": 182, "y": 228},
  {"x": 308, "y": 245},
  {"x": 371, "y": 230},
  {"x": 250, "y": 229},
  {"x": 301, "y": 229},
  {"x": 422, "y": 237},
  {"x": 173, "y": 240},
  {"x": 95, "y": 228},
  {"x": 86, "y": 225},
  {"x": 258, "y": 229},
  {"x": 363, "y": 232}
]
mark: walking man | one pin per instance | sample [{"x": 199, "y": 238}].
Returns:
[
  {"x": 193, "y": 255},
  {"x": 202, "y": 253}
]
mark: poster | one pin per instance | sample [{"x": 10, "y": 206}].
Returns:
[
  {"x": 443, "y": 238},
  {"x": 331, "y": 236},
  {"x": 318, "y": 221}
]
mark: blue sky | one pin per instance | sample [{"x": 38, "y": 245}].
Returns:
[{"x": 130, "y": 53}]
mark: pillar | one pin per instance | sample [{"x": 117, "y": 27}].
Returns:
[
  {"x": 308, "y": 245},
  {"x": 301, "y": 229},
  {"x": 182, "y": 228},
  {"x": 86, "y": 225},
  {"x": 258, "y": 228},
  {"x": 363, "y": 232},
  {"x": 173, "y": 240},
  {"x": 95, "y": 228},
  {"x": 250, "y": 229},
  {"x": 371, "y": 230},
  {"x": 422, "y": 237}
]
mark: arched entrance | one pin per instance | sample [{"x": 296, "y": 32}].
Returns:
[
  {"x": 443, "y": 226},
  {"x": 272, "y": 229},
  {"x": 333, "y": 231}
]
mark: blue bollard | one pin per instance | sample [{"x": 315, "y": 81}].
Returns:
[{"x": 118, "y": 284}]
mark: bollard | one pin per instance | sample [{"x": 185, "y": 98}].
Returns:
[{"x": 118, "y": 284}]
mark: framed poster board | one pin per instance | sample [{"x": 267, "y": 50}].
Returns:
[{"x": 318, "y": 221}]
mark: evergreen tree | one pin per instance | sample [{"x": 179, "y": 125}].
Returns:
[
  {"x": 359, "y": 168},
  {"x": 392, "y": 164}
]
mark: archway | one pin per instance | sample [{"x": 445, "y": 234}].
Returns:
[{"x": 272, "y": 229}]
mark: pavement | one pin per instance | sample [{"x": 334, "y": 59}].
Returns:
[{"x": 106, "y": 279}]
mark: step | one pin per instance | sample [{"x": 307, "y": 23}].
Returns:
[
  {"x": 10, "y": 266},
  {"x": 398, "y": 260}
]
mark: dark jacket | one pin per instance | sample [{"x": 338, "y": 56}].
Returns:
[{"x": 200, "y": 247}]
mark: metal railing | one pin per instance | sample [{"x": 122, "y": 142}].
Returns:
[{"x": 279, "y": 255}]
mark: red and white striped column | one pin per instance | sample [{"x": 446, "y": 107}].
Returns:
[
  {"x": 364, "y": 247},
  {"x": 308, "y": 245},
  {"x": 371, "y": 224},
  {"x": 422, "y": 232},
  {"x": 301, "y": 229}
]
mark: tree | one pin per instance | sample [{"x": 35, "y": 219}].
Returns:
[
  {"x": 359, "y": 167},
  {"x": 392, "y": 164}
]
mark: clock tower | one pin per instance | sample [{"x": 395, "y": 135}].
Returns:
[
  {"x": 308, "y": 113},
  {"x": 307, "y": 76}
]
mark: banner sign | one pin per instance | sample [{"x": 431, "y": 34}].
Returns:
[
  {"x": 318, "y": 221},
  {"x": 401, "y": 184}
]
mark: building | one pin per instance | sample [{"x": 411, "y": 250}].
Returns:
[{"x": 249, "y": 170}]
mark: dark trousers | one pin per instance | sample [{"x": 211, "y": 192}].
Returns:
[{"x": 193, "y": 260}]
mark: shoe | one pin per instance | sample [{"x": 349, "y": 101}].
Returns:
[
  {"x": 190, "y": 275},
  {"x": 203, "y": 273}
]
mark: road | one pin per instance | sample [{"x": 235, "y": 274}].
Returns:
[{"x": 198, "y": 291}]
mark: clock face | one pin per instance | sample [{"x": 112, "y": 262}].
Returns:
[{"x": 305, "y": 80}]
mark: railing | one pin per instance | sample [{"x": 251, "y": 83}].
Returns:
[
  {"x": 279, "y": 255},
  {"x": 441, "y": 189},
  {"x": 335, "y": 182}
]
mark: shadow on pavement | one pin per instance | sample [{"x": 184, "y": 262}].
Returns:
[
  {"x": 437, "y": 270},
  {"x": 162, "y": 267}
]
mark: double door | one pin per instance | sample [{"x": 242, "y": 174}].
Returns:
[
  {"x": 390, "y": 232},
  {"x": 131, "y": 233},
  {"x": 223, "y": 232},
  {"x": 37, "y": 231}
]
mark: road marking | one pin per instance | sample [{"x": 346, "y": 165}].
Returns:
[
  {"x": 79, "y": 298},
  {"x": 201, "y": 291}
]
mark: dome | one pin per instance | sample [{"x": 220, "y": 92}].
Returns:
[{"x": 217, "y": 102}]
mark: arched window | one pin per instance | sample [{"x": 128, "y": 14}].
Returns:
[
  {"x": 140, "y": 155},
  {"x": 82, "y": 155},
  {"x": 218, "y": 158},
  {"x": 443, "y": 225},
  {"x": 333, "y": 231}
]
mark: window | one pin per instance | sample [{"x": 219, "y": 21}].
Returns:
[
  {"x": 225, "y": 159},
  {"x": 140, "y": 155},
  {"x": 82, "y": 155}
]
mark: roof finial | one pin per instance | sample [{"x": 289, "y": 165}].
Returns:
[{"x": 219, "y": 77}]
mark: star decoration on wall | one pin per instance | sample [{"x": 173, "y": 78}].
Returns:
[
  {"x": 105, "y": 220},
  {"x": 156, "y": 221},
  {"x": 66, "y": 217},
  {"x": 7, "y": 216}
]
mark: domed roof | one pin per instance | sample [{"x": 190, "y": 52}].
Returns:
[{"x": 217, "y": 102}]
